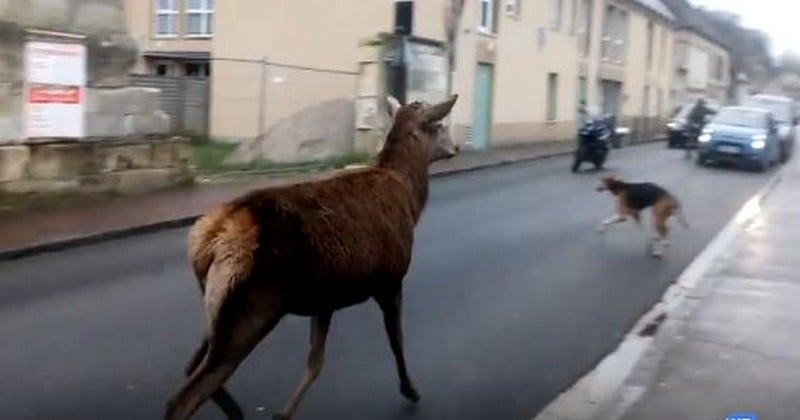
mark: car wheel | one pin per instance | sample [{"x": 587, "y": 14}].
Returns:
[
  {"x": 762, "y": 165},
  {"x": 782, "y": 153},
  {"x": 701, "y": 161}
]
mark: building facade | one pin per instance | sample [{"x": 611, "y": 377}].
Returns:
[
  {"x": 521, "y": 67},
  {"x": 702, "y": 69},
  {"x": 702, "y": 60}
]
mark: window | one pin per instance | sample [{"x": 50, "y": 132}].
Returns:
[
  {"x": 197, "y": 69},
  {"x": 582, "y": 94},
  {"x": 552, "y": 96},
  {"x": 166, "y": 18},
  {"x": 615, "y": 35},
  {"x": 659, "y": 102},
  {"x": 512, "y": 8},
  {"x": 621, "y": 43},
  {"x": 557, "y": 14},
  {"x": 585, "y": 30},
  {"x": 161, "y": 70},
  {"x": 719, "y": 68},
  {"x": 486, "y": 23},
  {"x": 650, "y": 40},
  {"x": 199, "y": 17},
  {"x": 573, "y": 23}
]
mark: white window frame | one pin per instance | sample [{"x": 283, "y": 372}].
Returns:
[
  {"x": 489, "y": 27},
  {"x": 207, "y": 14},
  {"x": 170, "y": 12}
]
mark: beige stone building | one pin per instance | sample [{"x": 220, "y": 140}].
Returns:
[
  {"x": 521, "y": 66},
  {"x": 174, "y": 36},
  {"x": 702, "y": 68},
  {"x": 701, "y": 61}
]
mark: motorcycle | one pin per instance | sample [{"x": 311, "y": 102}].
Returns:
[
  {"x": 691, "y": 135},
  {"x": 594, "y": 142}
]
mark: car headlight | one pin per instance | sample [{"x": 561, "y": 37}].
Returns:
[
  {"x": 704, "y": 138},
  {"x": 759, "y": 141},
  {"x": 672, "y": 125}
]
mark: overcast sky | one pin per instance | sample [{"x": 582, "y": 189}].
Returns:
[{"x": 778, "y": 18}]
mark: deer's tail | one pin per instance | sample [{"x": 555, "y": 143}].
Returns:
[{"x": 224, "y": 240}]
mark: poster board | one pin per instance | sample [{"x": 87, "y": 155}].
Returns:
[{"x": 55, "y": 89}]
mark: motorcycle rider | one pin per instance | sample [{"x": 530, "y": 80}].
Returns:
[
  {"x": 696, "y": 120},
  {"x": 583, "y": 113},
  {"x": 587, "y": 115}
]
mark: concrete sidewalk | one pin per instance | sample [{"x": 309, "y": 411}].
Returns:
[
  {"x": 725, "y": 338},
  {"x": 31, "y": 233}
]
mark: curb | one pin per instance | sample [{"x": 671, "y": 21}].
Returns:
[
  {"x": 614, "y": 398},
  {"x": 93, "y": 238}
]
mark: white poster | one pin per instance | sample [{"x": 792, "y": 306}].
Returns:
[{"x": 55, "y": 91}]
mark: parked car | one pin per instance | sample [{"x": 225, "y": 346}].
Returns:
[
  {"x": 678, "y": 129},
  {"x": 784, "y": 110},
  {"x": 740, "y": 134}
]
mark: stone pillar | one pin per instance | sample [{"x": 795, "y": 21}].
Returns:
[
  {"x": 113, "y": 108},
  {"x": 120, "y": 120}
]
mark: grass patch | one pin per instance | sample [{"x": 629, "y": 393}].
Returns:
[
  {"x": 18, "y": 203},
  {"x": 208, "y": 156}
]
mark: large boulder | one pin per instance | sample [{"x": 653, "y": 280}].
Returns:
[{"x": 317, "y": 132}]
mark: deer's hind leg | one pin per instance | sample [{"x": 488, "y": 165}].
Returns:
[
  {"x": 319, "y": 332},
  {"x": 242, "y": 319},
  {"x": 221, "y": 397}
]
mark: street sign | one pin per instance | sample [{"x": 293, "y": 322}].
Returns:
[{"x": 55, "y": 89}]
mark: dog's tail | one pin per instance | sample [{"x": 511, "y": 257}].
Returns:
[{"x": 680, "y": 214}]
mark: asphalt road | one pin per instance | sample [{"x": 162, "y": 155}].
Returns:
[{"x": 511, "y": 297}]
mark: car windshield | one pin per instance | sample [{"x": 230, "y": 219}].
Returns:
[
  {"x": 781, "y": 110},
  {"x": 739, "y": 117}
]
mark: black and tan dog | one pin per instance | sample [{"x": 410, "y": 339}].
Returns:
[{"x": 632, "y": 198}]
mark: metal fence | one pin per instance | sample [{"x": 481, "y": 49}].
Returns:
[
  {"x": 284, "y": 112},
  {"x": 184, "y": 99}
]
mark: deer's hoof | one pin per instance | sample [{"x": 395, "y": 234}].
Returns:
[{"x": 410, "y": 393}]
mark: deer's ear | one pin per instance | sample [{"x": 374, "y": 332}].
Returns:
[
  {"x": 439, "y": 111},
  {"x": 392, "y": 105}
]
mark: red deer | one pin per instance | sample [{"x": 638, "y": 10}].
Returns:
[{"x": 310, "y": 249}]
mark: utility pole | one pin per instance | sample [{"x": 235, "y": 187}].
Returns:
[
  {"x": 403, "y": 27},
  {"x": 262, "y": 96}
]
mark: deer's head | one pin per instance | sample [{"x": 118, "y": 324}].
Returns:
[{"x": 425, "y": 121}]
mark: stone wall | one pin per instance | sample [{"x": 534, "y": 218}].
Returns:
[
  {"x": 120, "y": 166},
  {"x": 125, "y": 148}
]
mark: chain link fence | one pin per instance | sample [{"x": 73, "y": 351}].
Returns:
[{"x": 275, "y": 111}]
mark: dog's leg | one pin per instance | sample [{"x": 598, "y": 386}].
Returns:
[
  {"x": 621, "y": 215},
  {"x": 661, "y": 213},
  {"x": 603, "y": 226}
]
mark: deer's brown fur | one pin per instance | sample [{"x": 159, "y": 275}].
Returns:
[{"x": 310, "y": 249}]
